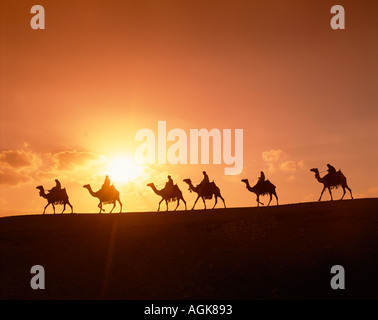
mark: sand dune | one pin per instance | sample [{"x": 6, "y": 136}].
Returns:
[{"x": 283, "y": 252}]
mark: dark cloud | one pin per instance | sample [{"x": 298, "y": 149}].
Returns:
[{"x": 16, "y": 158}]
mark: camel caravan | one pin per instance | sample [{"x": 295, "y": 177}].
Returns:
[{"x": 205, "y": 190}]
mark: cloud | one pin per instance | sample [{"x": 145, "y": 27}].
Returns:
[
  {"x": 272, "y": 155},
  {"x": 301, "y": 165},
  {"x": 12, "y": 177},
  {"x": 276, "y": 161},
  {"x": 292, "y": 166},
  {"x": 71, "y": 160},
  {"x": 22, "y": 166},
  {"x": 18, "y": 159},
  {"x": 289, "y": 166},
  {"x": 16, "y": 166}
]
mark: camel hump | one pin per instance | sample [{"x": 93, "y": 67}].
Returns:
[
  {"x": 269, "y": 183},
  {"x": 61, "y": 191}
]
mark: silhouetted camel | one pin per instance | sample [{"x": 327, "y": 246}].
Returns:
[
  {"x": 168, "y": 195},
  {"x": 337, "y": 180},
  {"x": 261, "y": 189},
  {"x": 56, "y": 197},
  {"x": 106, "y": 196},
  {"x": 205, "y": 192}
]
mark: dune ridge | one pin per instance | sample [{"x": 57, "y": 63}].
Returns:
[{"x": 277, "y": 252}]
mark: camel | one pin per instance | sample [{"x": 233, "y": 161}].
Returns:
[
  {"x": 261, "y": 189},
  {"x": 205, "y": 192},
  {"x": 106, "y": 196},
  {"x": 53, "y": 198},
  {"x": 168, "y": 195},
  {"x": 332, "y": 182}
]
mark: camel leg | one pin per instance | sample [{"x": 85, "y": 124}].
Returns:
[
  {"x": 120, "y": 203},
  {"x": 100, "y": 206},
  {"x": 53, "y": 207},
  {"x": 204, "y": 202},
  {"x": 330, "y": 193},
  {"x": 159, "y": 204},
  {"x": 343, "y": 193},
  {"x": 166, "y": 203},
  {"x": 70, "y": 206},
  {"x": 195, "y": 202},
  {"x": 350, "y": 191},
  {"x": 45, "y": 208},
  {"x": 178, "y": 202},
  {"x": 184, "y": 202},
  {"x": 270, "y": 195},
  {"x": 216, "y": 200},
  {"x": 64, "y": 208},
  {"x": 321, "y": 194},
  {"x": 224, "y": 203},
  {"x": 114, "y": 204},
  {"x": 258, "y": 201},
  {"x": 275, "y": 194}
]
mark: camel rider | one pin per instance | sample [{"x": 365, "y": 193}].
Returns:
[
  {"x": 261, "y": 179},
  {"x": 57, "y": 187},
  {"x": 169, "y": 184},
  {"x": 106, "y": 184},
  {"x": 205, "y": 180},
  {"x": 331, "y": 172}
]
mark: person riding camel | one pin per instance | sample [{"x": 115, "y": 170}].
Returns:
[
  {"x": 106, "y": 184},
  {"x": 331, "y": 172},
  {"x": 57, "y": 187},
  {"x": 205, "y": 180},
  {"x": 169, "y": 184},
  {"x": 205, "y": 183},
  {"x": 261, "y": 179}
]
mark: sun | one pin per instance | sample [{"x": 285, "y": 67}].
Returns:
[{"x": 123, "y": 169}]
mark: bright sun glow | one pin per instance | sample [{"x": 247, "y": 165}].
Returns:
[{"x": 123, "y": 169}]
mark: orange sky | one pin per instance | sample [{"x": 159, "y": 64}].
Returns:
[{"x": 74, "y": 95}]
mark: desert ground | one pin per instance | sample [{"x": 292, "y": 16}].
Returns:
[{"x": 276, "y": 252}]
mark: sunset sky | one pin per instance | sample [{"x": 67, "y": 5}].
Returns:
[{"x": 74, "y": 95}]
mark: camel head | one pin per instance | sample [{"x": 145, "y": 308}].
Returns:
[
  {"x": 150, "y": 185},
  {"x": 189, "y": 182},
  {"x": 244, "y": 180},
  {"x": 315, "y": 170},
  {"x": 41, "y": 190},
  {"x": 86, "y": 186}
]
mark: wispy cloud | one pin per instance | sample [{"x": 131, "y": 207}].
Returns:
[
  {"x": 23, "y": 165},
  {"x": 73, "y": 160},
  {"x": 278, "y": 161}
]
